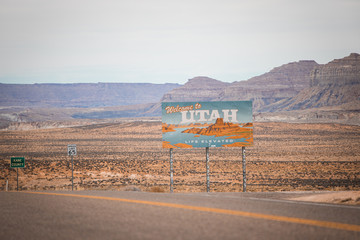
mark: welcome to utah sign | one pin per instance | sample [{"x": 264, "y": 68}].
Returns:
[{"x": 207, "y": 124}]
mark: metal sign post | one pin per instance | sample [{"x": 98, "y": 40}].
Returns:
[
  {"x": 207, "y": 171},
  {"x": 244, "y": 169},
  {"x": 171, "y": 172},
  {"x": 72, "y": 173},
  {"x": 72, "y": 152}
]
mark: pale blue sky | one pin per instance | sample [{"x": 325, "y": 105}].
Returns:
[{"x": 158, "y": 41}]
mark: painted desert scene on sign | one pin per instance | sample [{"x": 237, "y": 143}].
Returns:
[
  {"x": 207, "y": 124},
  {"x": 219, "y": 132}
]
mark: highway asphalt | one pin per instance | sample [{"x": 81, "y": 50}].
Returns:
[{"x": 143, "y": 215}]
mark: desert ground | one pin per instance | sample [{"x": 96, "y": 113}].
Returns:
[{"x": 129, "y": 156}]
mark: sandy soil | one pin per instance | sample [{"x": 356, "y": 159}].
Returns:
[
  {"x": 348, "y": 197},
  {"x": 129, "y": 155}
]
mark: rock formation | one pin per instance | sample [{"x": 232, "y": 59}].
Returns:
[
  {"x": 304, "y": 87},
  {"x": 339, "y": 72},
  {"x": 280, "y": 83},
  {"x": 197, "y": 89},
  {"x": 168, "y": 128},
  {"x": 335, "y": 85}
]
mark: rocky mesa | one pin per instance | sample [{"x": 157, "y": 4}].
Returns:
[
  {"x": 278, "y": 84},
  {"x": 197, "y": 89},
  {"x": 303, "y": 91},
  {"x": 335, "y": 85}
]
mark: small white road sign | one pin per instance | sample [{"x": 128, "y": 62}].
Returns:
[{"x": 72, "y": 150}]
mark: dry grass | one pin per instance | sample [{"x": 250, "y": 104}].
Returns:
[
  {"x": 119, "y": 156},
  {"x": 157, "y": 189}
]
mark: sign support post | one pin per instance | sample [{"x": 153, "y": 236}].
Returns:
[
  {"x": 17, "y": 179},
  {"x": 244, "y": 169},
  {"x": 171, "y": 172},
  {"x": 72, "y": 152},
  {"x": 72, "y": 173},
  {"x": 207, "y": 171}
]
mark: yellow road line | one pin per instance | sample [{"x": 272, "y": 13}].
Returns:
[{"x": 326, "y": 224}]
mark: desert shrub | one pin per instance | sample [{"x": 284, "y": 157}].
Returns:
[
  {"x": 132, "y": 188},
  {"x": 157, "y": 189}
]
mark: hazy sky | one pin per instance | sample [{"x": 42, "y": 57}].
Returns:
[{"x": 158, "y": 41}]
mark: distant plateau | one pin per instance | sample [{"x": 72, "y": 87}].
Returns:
[{"x": 302, "y": 91}]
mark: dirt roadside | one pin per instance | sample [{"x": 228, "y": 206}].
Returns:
[{"x": 342, "y": 197}]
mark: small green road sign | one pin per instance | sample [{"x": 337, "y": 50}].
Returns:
[{"x": 17, "y": 162}]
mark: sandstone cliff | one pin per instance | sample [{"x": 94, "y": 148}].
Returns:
[
  {"x": 336, "y": 85},
  {"x": 340, "y": 72},
  {"x": 197, "y": 89},
  {"x": 280, "y": 83}
]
